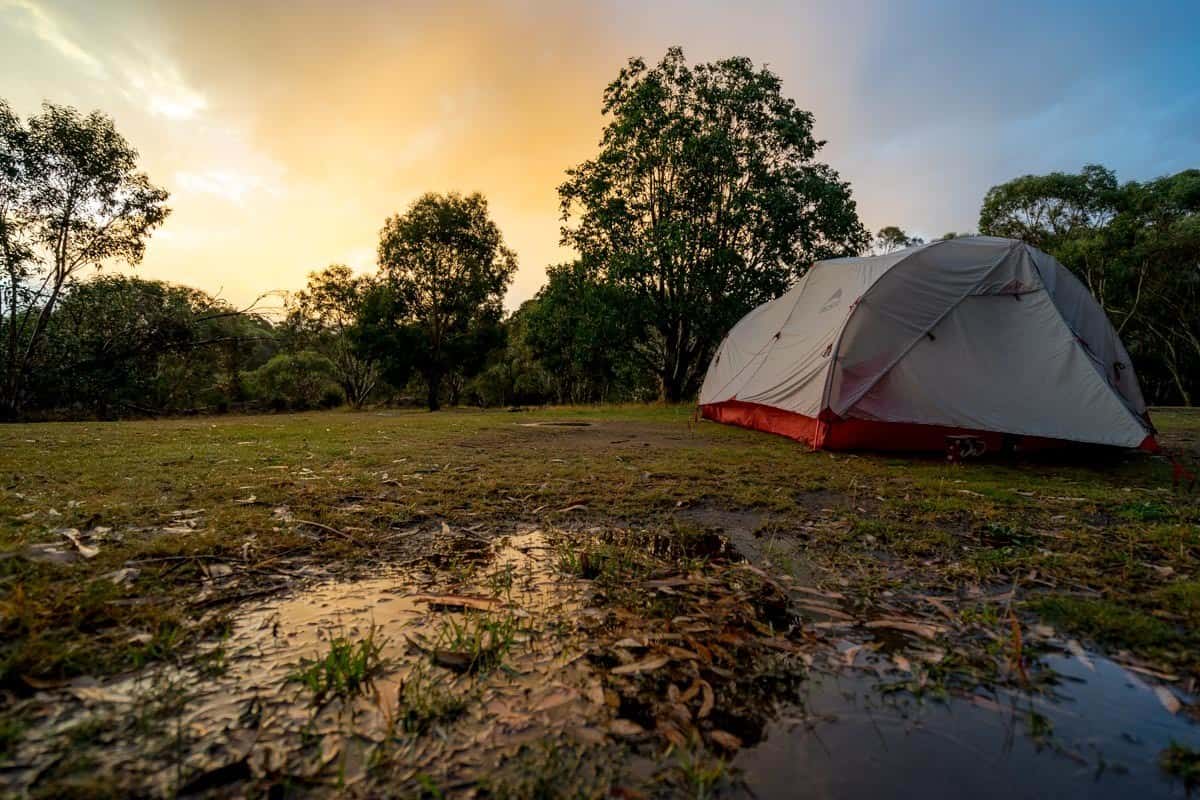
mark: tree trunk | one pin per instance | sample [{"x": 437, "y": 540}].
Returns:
[
  {"x": 671, "y": 387},
  {"x": 434, "y": 382}
]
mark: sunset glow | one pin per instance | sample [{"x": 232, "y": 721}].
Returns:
[{"x": 287, "y": 132}]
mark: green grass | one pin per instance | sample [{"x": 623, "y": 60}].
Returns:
[
  {"x": 344, "y": 671},
  {"x": 1107, "y": 522},
  {"x": 1182, "y": 762},
  {"x": 426, "y": 698},
  {"x": 477, "y": 642},
  {"x": 1107, "y": 622}
]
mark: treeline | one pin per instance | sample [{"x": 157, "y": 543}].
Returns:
[{"x": 704, "y": 200}]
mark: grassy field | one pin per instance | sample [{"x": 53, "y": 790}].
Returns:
[{"x": 110, "y": 533}]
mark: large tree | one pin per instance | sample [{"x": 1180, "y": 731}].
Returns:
[
  {"x": 70, "y": 198},
  {"x": 704, "y": 201},
  {"x": 446, "y": 269},
  {"x": 326, "y": 317}
]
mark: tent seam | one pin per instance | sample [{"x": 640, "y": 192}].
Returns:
[{"x": 837, "y": 343}]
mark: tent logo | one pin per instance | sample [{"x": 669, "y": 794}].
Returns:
[{"x": 832, "y": 302}]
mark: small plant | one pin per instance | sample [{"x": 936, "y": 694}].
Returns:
[
  {"x": 11, "y": 730},
  {"x": 346, "y": 670},
  {"x": 701, "y": 775},
  {"x": 1182, "y": 762},
  {"x": 478, "y": 643},
  {"x": 549, "y": 771},
  {"x": 424, "y": 699}
]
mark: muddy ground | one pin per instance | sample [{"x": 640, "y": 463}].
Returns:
[{"x": 587, "y": 603}]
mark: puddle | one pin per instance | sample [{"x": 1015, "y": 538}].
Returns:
[
  {"x": 1099, "y": 738},
  {"x": 249, "y": 720}
]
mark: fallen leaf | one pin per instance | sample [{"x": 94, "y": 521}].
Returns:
[
  {"x": 1076, "y": 649},
  {"x": 625, "y": 727},
  {"x": 72, "y": 536},
  {"x": 98, "y": 694},
  {"x": 645, "y": 665},
  {"x": 724, "y": 739},
  {"x": 706, "y": 700},
  {"x": 1168, "y": 699},
  {"x": 126, "y": 575},
  {"x": 920, "y": 629},
  {"x": 456, "y": 602}
]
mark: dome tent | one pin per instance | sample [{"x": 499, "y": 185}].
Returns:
[{"x": 974, "y": 335}]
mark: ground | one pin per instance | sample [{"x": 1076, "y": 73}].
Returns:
[{"x": 614, "y": 599}]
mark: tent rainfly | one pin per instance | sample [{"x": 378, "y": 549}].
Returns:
[{"x": 975, "y": 336}]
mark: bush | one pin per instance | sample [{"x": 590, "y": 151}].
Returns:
[{"x": 295, "y": 381}]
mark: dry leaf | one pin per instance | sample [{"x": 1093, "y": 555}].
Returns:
[
  {"x": 920, "y": 629},
  {"x": 625, "y": 727},
  {"x": 706, "y": 701},
  {"x": 1168, "y": 699},
  {"x": 725, "y": 740},
  {"x": 1076, "y": 649},
  {"x": 646, "y": 665}
]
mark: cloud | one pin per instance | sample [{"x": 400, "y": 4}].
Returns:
[{"x": 38, "y": 22}]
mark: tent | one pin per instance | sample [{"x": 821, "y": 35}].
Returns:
[{"x": 974, "y": 336}]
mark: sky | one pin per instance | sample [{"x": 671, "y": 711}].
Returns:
[{"x": 287, "y": 132}]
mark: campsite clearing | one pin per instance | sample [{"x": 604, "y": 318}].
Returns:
[{"x": 613, "y": 595}]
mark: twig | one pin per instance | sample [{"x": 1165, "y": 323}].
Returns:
[{"x": 330, "y": 529}]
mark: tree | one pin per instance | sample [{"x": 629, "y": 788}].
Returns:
[
  {"x": 704, "y": 201},
  {"x": 117, "y": 344},
  {"x": 326, "y": 316},
  {"x": 447, "y": 268},
  {"x": 71, "y": 197},
  {"x": 583, "y": 331},
  {"x": 1045, "y": 210},
  {"x": 892, "y": 238}
]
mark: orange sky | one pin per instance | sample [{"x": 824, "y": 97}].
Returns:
[{"x": 287, "y": 131}]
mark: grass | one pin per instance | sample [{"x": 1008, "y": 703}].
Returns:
[
  {"x": 425, "y": 699},
  {"x": 1182, "y": 762},
  {"x": 1108, "y": 522},
  {"x": 344, "y": 671},
  {"x": 477, "y": 642}
]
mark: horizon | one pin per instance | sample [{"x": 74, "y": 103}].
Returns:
[{"x": 287, "y": 144}]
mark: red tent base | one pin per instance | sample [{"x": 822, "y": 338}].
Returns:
[{"x": 862, "y": 434}]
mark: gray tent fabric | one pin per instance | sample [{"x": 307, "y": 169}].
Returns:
[{"x": 977, "y": 333}]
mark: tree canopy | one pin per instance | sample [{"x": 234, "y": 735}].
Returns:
[
  {"x": 70, "y": 197},
  {"x": 446, "y": 267},
  {"x": 704, "y": 200}
]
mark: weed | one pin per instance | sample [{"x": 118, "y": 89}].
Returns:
[
  {"x": 346, "y": 669},
  {"x": 699, "y": 774},
  {"x": 550, "y": 771},
  {"x": 1106, "y": 621},
  {"x": 11, "y": 730},
  {"x": 424, "y": 699},
  {"x": 481, "y": 640},
  {"x": 1146, "y": 511},
  {"x": 1182, "y": 762}
]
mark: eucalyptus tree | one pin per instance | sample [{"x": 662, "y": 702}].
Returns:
[
  {"x": 705, "y": 200},
  {"x": 445, "y": 269},
  {"x": 71, "y": 197}
]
